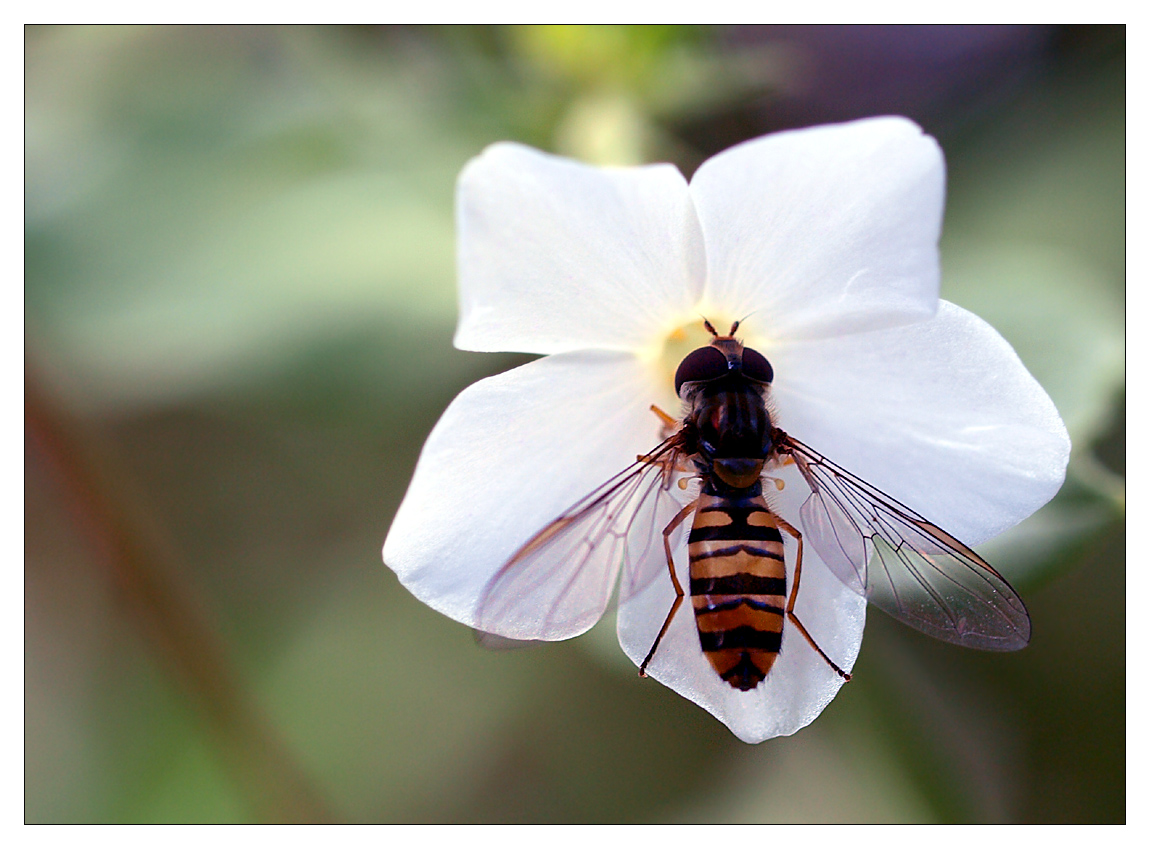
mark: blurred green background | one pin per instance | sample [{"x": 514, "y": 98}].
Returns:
[{"x": 239, "y": 304}]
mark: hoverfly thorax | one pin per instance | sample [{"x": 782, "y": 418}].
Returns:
[{"x": 728, "y": 427}]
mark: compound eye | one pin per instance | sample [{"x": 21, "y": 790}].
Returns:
[
  {"x": 701, "y": 364},
  {"x": 756, "y": 367}
]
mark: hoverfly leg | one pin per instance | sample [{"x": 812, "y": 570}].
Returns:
[
  {"x": 786, "y": 526},
  {"x": 667, "y": 531},
  {"x": 670, "y": 465},
  {"x": 669, "y": 422}
]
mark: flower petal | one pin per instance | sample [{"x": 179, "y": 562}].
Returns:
[
  {"x": 941, "y": 415},
  {"x": 558, "y": 256},
  {"x": 824, "y": 230},
  {"x": 507, "y": 457},
  {"x": 799, "y": 685}
]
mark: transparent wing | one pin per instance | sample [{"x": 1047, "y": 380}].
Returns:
[
  {"x": 903, "y": 564},
  {"x": 560, "y": 582}
]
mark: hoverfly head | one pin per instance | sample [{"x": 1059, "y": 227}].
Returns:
[{"x": 725, "y": 356}]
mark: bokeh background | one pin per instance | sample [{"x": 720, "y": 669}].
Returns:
[{"x": 239, "y": 304}]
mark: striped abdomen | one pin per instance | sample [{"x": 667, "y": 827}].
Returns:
[{"x": 738, "y": 586}]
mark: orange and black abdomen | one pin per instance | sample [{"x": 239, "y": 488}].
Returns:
[{"x": 738, "y": 586}]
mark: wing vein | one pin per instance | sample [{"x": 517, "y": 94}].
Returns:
[{"x": 901, "y": 562}]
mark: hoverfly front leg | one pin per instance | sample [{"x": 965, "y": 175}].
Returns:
[
  {"x": 667, "y": 531},
  {"x": 669, "y": 422},
  {"x": 786, "y": 526}
]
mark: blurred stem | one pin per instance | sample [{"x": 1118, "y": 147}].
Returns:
[{"x": 165, "y": 614}]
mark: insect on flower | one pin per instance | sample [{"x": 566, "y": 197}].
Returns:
[
  {"x": 878, "y": 547},
  {"x": 548, "y": 491}
]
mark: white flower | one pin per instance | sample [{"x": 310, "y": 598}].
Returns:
[{"x": 824, "y": 241}]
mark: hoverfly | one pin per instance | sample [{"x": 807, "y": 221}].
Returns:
[{"x": 728, "y": 445}]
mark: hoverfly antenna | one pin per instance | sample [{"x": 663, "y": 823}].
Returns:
[
  {"x": 710, "y": 327},
  {"x": 741, "y": 320},
  {"x": 734, "y": 327}
]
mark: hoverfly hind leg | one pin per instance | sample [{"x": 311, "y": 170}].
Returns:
[
  {"x": 667, "y": 531},
  {"x": 791, "y": 615}
]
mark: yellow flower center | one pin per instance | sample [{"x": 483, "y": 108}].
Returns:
[{"x": 665, "y": 354}]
